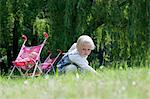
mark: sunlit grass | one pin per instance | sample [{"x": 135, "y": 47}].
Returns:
[{"x": 110, "y": 84}]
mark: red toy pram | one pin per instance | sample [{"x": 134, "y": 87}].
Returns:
[
  {"x": 48, "y": 64},
  {"x": 28, "y": 58}
]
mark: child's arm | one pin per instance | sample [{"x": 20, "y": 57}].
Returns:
[{"x": 82, "y": 62}]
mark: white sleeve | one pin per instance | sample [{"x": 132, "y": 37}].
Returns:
[
  {"x": 81, "y": 62},
  {"x": 72, "y": 47}
]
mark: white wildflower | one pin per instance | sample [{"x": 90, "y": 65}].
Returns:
[
  {"x": 133, "y": 83},
  {"x": 123, "y": 88},
  {"x": 46, "y": 77},
  {"x": 26, "y": 82},
  {"x": 77, "y": 76}
]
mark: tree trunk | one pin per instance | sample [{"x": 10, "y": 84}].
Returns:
[{"x": 15, "y": 39}]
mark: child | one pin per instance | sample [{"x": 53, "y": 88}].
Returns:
[{"x": 76, "y": 57}]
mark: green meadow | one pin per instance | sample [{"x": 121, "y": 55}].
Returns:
[{"x": 131, "y": 83}]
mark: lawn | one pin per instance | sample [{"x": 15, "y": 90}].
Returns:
[{"x": 110, "y": 84}]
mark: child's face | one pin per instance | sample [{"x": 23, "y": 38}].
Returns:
[{"x": 84, "y": 50}]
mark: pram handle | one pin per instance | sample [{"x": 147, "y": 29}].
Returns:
[
  {"x": 49, "y": 52},
  {"x": 60, "y": 51},
  {"x": 46, "y": 35},
  {"x": 24, "y": 37}
]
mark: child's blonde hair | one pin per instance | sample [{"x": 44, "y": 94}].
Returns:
[{"x": 85, "y": 39}]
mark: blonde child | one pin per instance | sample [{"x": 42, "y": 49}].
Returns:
[{"x": 76, "y": 57}]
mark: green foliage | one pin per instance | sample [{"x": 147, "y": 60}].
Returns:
[{"x": 125, "y": 34}]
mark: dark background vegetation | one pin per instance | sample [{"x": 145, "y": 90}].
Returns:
[{"x": 120, "y": 29}]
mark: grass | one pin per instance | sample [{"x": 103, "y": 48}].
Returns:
[{"x": 110, "y": 84}]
